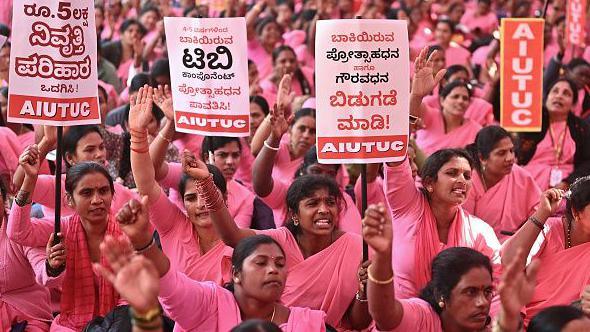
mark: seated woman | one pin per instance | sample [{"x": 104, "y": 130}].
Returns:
[
  {"x": 189, "y": 239},
  {"x": 25, "y": 300},
  {"x": 560, "y": 153},
  {"x": 455, "y": 54},
  {"x": 503, "y": 194},
  {"x": 89, "y": 190},
  {"x": 80, "y": 144},
  {"x": 267, "y": 38},
  {"x": 563, "y": 247},
  {"x": 259, "y": 275},
  {"x": 446, "y": 127},
  {"x": 457, "y": 297},
  {"x": 284, "y": 61},
  {"x": 126, "y": 53},
  {"x": 321, "y": 259},
  {"x": 431, "y": 219}
]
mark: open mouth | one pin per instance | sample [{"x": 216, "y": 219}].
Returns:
[
  {"x": 323, "y": 223},
  {"x": 459, "y": 191}
]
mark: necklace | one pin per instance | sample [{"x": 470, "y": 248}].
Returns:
[
  {"x": 274, "y": 310},
  {"x": 569, "y": 234}
]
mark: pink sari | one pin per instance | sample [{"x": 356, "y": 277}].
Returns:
[{"x": 325, "y": 281}]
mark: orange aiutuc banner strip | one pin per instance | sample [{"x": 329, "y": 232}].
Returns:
[
  {"x": 521, "y": 81},
  {"x": 575, "y": 29}
]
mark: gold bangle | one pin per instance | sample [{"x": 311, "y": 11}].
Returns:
[
  {"x": 165, "y": 138},
  {"x": 376, "y": 281}
]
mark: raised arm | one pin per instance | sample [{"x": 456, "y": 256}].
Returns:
[
  {"x": 46, "y": 144},
  {"x": 262, "y": 180},
  {"x": 141, "y": 164},
  {"x": 424, "y": 81},
  {"x": 385, "y": 309},
  {"x": 159, "y": 146},
  {"x": 525, "y": 237},
  {"x": 400, "y": 188},
  {"x": 223, "y": 222}
]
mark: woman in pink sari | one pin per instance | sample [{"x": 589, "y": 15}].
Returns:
[
  {"x": 447, "y": 127},
  {"x": 561, "y": 244},
  {"x": 454, "y": 53},
  {"x": 89, "y": 189},
  {"x": 25, "y": 299},
  {"x": 503, "y": 194},
  {"x": 259, "y": 275},
  {"x": 260, "y": 46},
  {"x": 188, "y": 239},
  {"x": 560, "y": 153},
  {"x": 458, "y": 296}
]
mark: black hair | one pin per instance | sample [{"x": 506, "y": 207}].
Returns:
[
  {"x": 450, "y": 86},
  {"x": 128, "y": 23},
  {"x": 485, "y": 142},
  {"x": 260, "y": 24},
  {"x": 447, "y": 22},
  {"x": 244, "y": 249},
  {"x": 435, "y": 162},
  {"x": 81, "y": 169},
  {"x": 100, "y": 88},
  {"x": 149, "y": 8},
  {"x": 212, "y": 143},
  {"x": 256, "y": 325},
  {"x": 452, "y": 70},
  {"x": 307, "y": 111},
  {"x": 218, "y": 179},
  {"x": 558, "y": 20},
  {"x": 260, "y": 101},
  {"x": 577, "y": 62},
  {"x": 305, "y": 186},
  {"x": 488, "y": 2},
  {"x": 310, "y": 158},
  {"x": 3, "y": 192},
  {"x": 448, "y": 267},
  {"x": 573, "y": 85},
  {"x": 4, "y": 30},
  {"x": 455, "y": 5},
  {"x": 74, "y": 135},
  {"x": 160, "y": 68},
  {"x": 297, "y": 74},
  {"x": 579, "y": 198},
  {"x": 138, "y": 81},
  {"x": 554, "y": 318},
  {"x": 433, "y": 48}
]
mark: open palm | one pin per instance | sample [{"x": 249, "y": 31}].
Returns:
[
  {"x": 140, "y": 114},
  {"x": 163, "y": 99},
  {"x": 424, "y": 77}
]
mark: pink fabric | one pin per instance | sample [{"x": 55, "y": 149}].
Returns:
[
  {"x": 563, "y": 273},
  {"x": 479, "y": 110},
  {"x": 218, "y": 309},
  {"x": 180, "y": 243},
  {"x": 107, "y": 29},
  {"x": 35, "y": 232},
  {"x": 270, "y": 89},
  {"x": 244, "y": 171},
  {"x": 6, "y": 12},
  {"x": 263, "y": 60},
  {"x": 457, "y": 55},
  {"x": 44, "y": 194},
  {"x": 413, "y": 218},
  {"x": 191, "y": 142},
  {"x": 349, "y": 219},
  {"x": 506, "y": 205},
  {"x": 544, "y": 160},
  {"x": 487, "y": 23},
  {"x": 285, "y": 167},
  {"x": 418, "y": 316},
  {"x": 433, "y": 137},
  {"x": 326, "y": 281},
  {"x": 9, "y": 154},
  {"x": 375, "y": 193},
  {"x": 22, "y": 294}
]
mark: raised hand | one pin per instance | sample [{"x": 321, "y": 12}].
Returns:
[
  {"x": 285, "y": 96},
  {"x": 133, "y": 276},
  {"x": 56, "y": 254},
  {"x": 163, "y": 99},
  {"x": 140, "y": 113},
  {"x": 424, "y": 77},
  {"x": 49, "y": 139},
  {"x": 193, "y": 166},
  {"x": 134, "y": 222},
  {"x": 29, "y": 160},
  {"x": 549, "y": 201},
  {"x": 377, "y": 229},
  {"x": 517, "y": 286},
  {"x": 279, "y": 124}
]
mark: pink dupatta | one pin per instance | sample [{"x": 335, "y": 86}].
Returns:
[{"x": 78, "y": 295}]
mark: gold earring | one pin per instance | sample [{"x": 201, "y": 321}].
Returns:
[
  {"x": 295, "y": 221},
  {"x": 441, "y": 304},
  {"x": 236, "y": 280}
]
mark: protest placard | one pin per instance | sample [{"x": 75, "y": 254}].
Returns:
[
  {"x": 209, "y": 72},
  {"x": 53, "y": 72},
  {"x": 521, "y": 77},
  {"x": 362, "y": 90},
  {"x": 575, "y": 28}
]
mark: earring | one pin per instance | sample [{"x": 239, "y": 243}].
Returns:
[
  {"x": 236, "y": 280},
  {"x": 429, "y": 189},
  {"x": 441, "y": 304},
  {"x": 295, "y": 221},
  {"x": 483, "y": 168}
]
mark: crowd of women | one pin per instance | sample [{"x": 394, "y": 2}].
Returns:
[{"x": 476, "y": 229}]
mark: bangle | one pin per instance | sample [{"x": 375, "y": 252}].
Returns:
[
  {"x": 22, "y": 198},
  {"x": 360, "y": 299},
  {"x": 536, "y": 222},
  {"x": 270, "y": 147},
  {"x": 141, "y": 150},
  {"x": 53, "y": 272},
  {"x": 165, "y": 138},
  {"x": 207, "y": 190},
  {"x": 148, "y": 321},
  {"x": 146, "y": 247},
  {"x": 376, "y": 281},
  {"x": 138, "y": 133}
]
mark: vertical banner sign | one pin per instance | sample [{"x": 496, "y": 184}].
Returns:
[
  {"x": 521, "y": 80},
  {"x": 575, "y": 29},
  {"x": 53, "y": 73},
  {"x": 209, "y": 71},
  {"x": 362, "y": 90}
]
